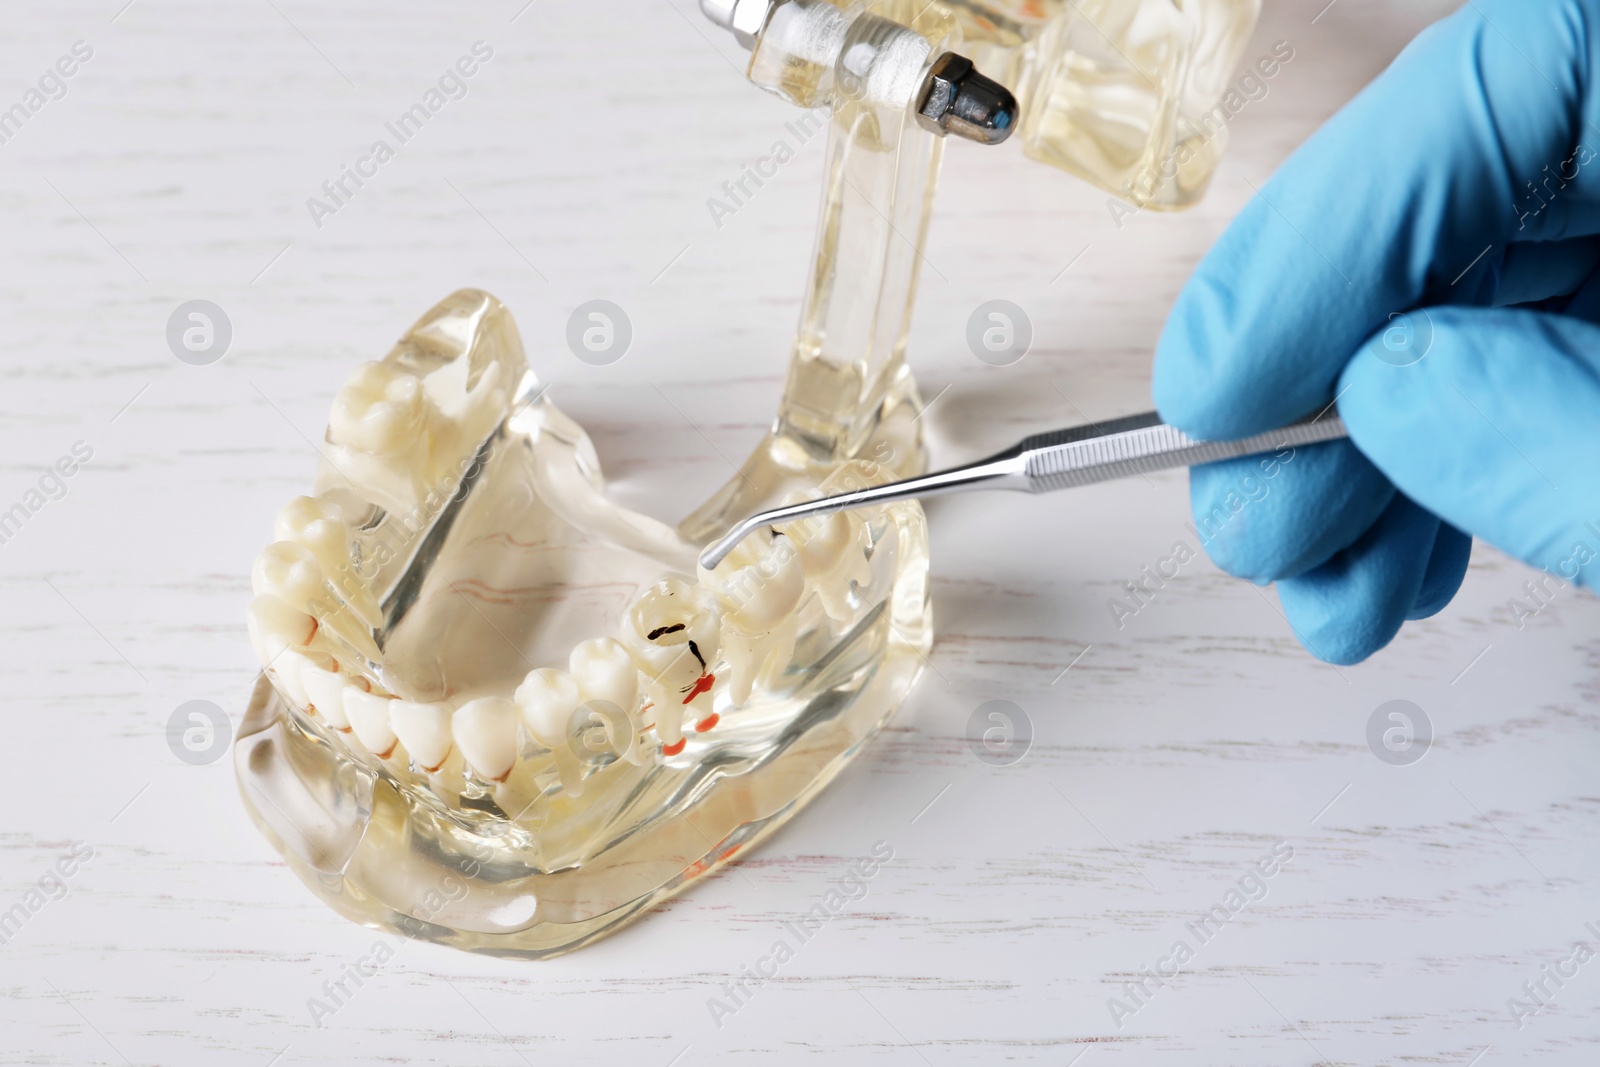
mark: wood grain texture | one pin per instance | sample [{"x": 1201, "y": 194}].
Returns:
[{"x": 1173, "y": 753}]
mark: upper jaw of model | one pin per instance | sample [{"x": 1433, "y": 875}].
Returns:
[{"x": 460, "y": 620}]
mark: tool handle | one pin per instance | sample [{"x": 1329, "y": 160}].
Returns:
[{"x": 1139, "y": 444}]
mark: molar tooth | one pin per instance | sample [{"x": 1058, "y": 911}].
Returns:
[
  {"x": 425, "y": 731},
  {"x": 388, "y": 436},
  {"x": 759, "y": 586},
  {"x": 830, "y": 554},
  {"x": 320, "y": 526},
  {"x": 290, "y": 572},
  {"x": 368, "y": 714},
  {"x": 325, "y": 694},
  {"x": 671, "y": 631},
  {"x": 380, "y": 409},
  {"x": 486, "y": 732},
  {"x": 604, "y": 671},
  {"x": 607, "y": 675},
  {"x": 547, "y": 698}
]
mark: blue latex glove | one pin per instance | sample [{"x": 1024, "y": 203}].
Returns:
[{"x": 1462, "y": 189}]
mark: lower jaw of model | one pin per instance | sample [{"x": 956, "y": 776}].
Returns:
[{"x": 498, "y": 711}]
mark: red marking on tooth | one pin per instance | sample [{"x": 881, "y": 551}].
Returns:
[
  {"x": 707, "y": 723},
  {"x": 674, "y": 749},
  {"x": 702, "y": 685},
  {"x": 313, "y": 632},
  {"x": 390, "y": 752}
]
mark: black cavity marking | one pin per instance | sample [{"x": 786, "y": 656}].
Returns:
[
  {"x": 696, "y": 650},
  {"x": 660, "y": 630}
]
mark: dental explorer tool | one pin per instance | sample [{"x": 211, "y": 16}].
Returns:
[{"x": 1059, "y": 459}]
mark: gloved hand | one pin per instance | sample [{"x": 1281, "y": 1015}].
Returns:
[{"x": 1429, "y": 258}]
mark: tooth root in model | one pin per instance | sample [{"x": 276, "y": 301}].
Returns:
[
  {"x": 547, "y": 699},
  {"x": 385, "y": 433},
  {"x": 485, "y": 730},
  {"x": 321, "y": 526},
  {"x": 672, "y": 631},
  {"x": 830, "y": 553},
  {"x": 290, "y": 571},
  {"x": 608, "y": 685},
  {"x": 424, "y": 730},
  {"x": 759, "y": 587}
]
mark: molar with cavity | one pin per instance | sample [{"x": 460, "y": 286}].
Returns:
[{"x": 672, "y": 632}]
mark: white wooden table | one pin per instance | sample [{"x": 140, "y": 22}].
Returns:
[{"x": 1175, "y": 751}]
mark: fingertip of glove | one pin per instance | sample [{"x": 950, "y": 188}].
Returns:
[
  {"x": 1447, "y": 569},
  {"x": 1319, "y": 615}
]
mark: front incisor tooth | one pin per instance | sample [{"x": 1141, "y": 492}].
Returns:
[
  {"x": 368, "y": 714},
  {"x": 486, "y": 732},
  {"x": 325, "y": 694},
  {"x": 547, "y": 698},
  {"x": 425, "y": 731}
]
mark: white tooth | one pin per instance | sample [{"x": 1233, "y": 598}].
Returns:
[
  {"x": 380, "y": 409},
  {"x": 830, "y": 553},
  {"x": 671, "y": 631},
  {"x": 285, "y": 671},
  {"x": 289, "y": 572},
  {"x": 319, "y": 525},
  {"x": 760, "y": 582},
  {"x": 274, "y": 625},
  {"x": 604, "y": 671},
  {"x": 486, "y": 732},
  {"x": 547, "y": 698},
  {"x": 425, "y": 731},
  {"x": 368, "y": 714},
  {"x": 759, "y": 585},
  {"x": 325, "y": 694}
]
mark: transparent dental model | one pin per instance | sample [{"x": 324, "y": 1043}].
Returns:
[{"x": 499, "y": 712}]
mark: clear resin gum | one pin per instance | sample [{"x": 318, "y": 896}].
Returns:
[{"x": 499, "y": 712}]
